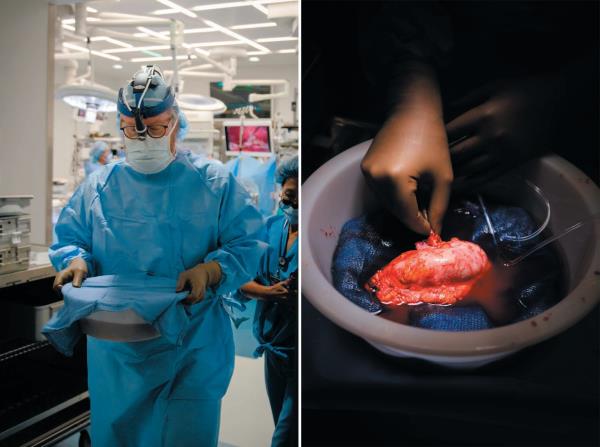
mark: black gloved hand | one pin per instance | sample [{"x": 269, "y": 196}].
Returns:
[{"x": 500, "y": 126}]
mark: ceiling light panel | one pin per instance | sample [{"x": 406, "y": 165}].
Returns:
[
  {"x": 246, "y": 26},
  {"x": 72, "y": 46},
  {"x": 224, "y": 5},
  {"x": 235, "y": 35},
  {"x": 198, "y": 30},
  {"x": 185, "y": 31},
  {"x": 133, "y": 49},
  {"x": 152, "y": 33},
  {"x": 258, "y": 4},
  {"x": 164, "y": 12},
  {"x": 161, "y": 58},
  {"x": 117, "y": 42},
  {"x": 260, "y": 7},
  {"x": 221, "y": 43},
  {"x": 254, "y": 25},
  {"x": 277, "y": 39},
  {"x": 178, "y": 7}
]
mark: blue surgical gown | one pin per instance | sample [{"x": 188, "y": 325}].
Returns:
[
  {"x": 275, "y": 328},
  {"x": 91, "y": 166},
  {"x": 155, "y": 393}
]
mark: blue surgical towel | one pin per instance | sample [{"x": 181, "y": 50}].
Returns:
[{"x": 153, "y": 298}]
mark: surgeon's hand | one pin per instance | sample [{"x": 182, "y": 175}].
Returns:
[
  {"x": 410, "y": 155},
  {"x": 77, "y": 271},
  {"x": 502, "y": 125},
  {"x": 198, "y": 279},
  {"x": 410, "y": 152}
]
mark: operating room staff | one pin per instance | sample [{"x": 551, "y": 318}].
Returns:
[
  {"x": 99, "y": 156},
  {"x": 162, "y": 213},
  {"x": 275, "y": 324}
]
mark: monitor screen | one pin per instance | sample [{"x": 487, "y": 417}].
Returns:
[
  {"x": 238, "y": 97},
  {"x": 250, "y": 138}
]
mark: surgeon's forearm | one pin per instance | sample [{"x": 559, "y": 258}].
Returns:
[
  {"x": 256, "y": 290},
  {"x": 413, "y": 88}
]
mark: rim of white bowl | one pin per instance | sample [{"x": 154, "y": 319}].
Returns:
[{"x": 321, "y": 293}]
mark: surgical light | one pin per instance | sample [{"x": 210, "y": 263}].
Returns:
[
  {"x": 88, "y": 96},
  {"x": 190, "y": 101}
]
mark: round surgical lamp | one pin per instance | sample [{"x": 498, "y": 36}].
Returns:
[
  {"x": 190, "y": 101},
  {"x": 88, "y": 96}
]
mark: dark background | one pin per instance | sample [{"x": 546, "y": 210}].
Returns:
[
  {"x": 491, "y": 40},
  {"x": 352, "y": 394}
]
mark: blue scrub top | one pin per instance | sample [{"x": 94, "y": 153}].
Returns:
[{"x": 275, "y": 321}]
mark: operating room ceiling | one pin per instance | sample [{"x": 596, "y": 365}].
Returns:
[{"x": 268, "y": 41}]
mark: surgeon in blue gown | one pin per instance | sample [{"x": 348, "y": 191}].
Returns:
[
  {"x": 275, "y": 321},
  {"x": 99, "y": 156},
  {"x": 170, "y": 214}
]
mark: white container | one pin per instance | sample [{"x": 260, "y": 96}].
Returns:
[
  {"x": 15, "y": 205},
  {"x": 14, "y": 259},
  {"x": 26, "y": 320},
  {"x": 15, "y": 230},
  {"x": 337, "y": 192},
  {"x": 125, "y": 326}
]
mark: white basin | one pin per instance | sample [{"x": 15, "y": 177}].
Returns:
[{"x": 337, "y": 192}]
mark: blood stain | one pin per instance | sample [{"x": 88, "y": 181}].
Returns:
[{"x": 328, "y": 232}]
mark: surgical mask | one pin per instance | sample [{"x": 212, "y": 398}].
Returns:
[
  {"x": 290, "y": 213},
  {"x": 151, "y": 155}
]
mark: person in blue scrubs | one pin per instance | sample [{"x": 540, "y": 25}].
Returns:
[
  {"x": 162, "y": 213},
  {"x": 99, "y": 156},
  {"x": 275, "y": 321}
]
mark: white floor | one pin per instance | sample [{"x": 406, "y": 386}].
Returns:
[{"x": 246, "y": 419}]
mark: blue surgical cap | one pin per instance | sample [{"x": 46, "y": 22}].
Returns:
[
  {"x": 97, "y": 150},
  {"x": 288, "y": 168},
  {"x": 158, "y": 98}
]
